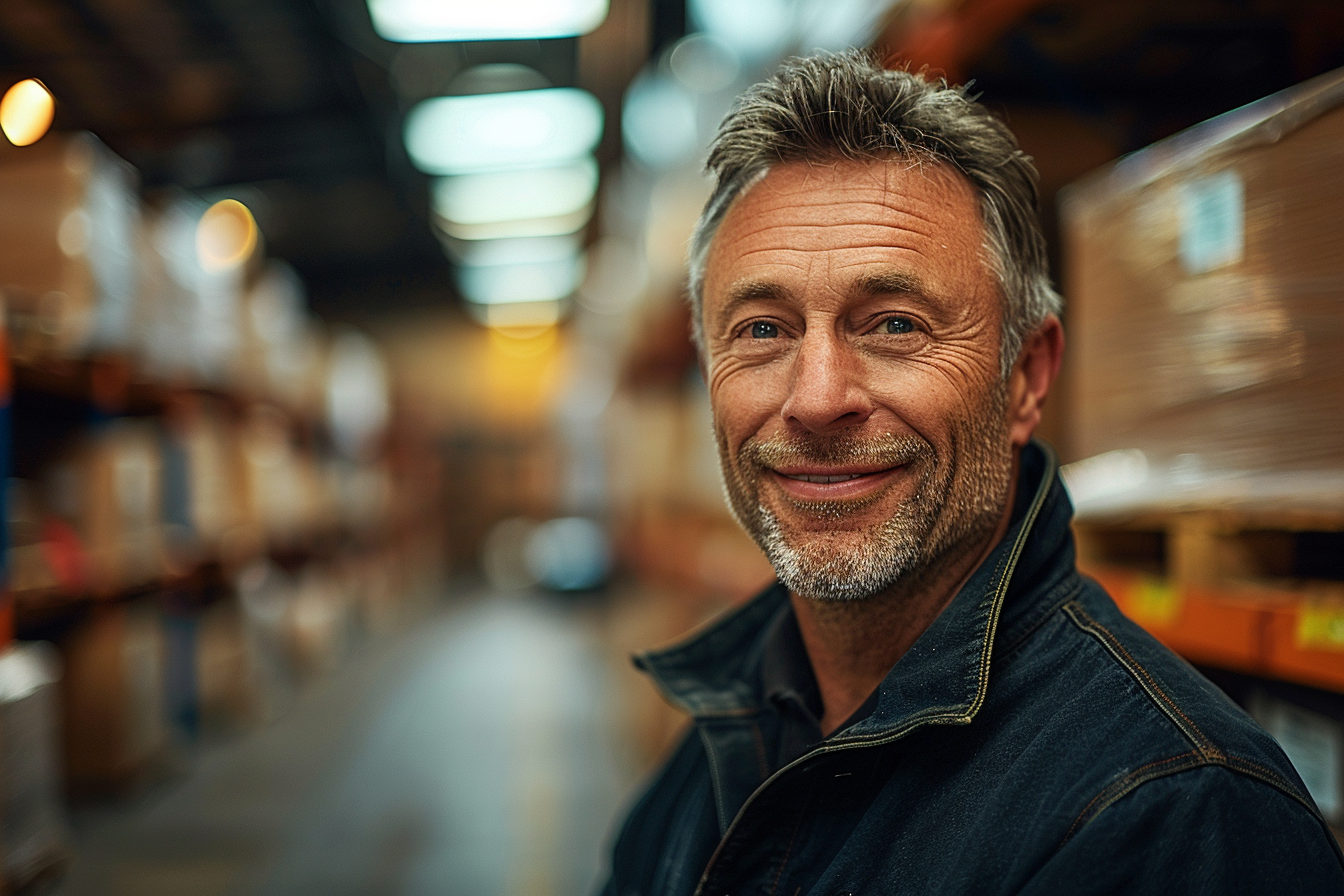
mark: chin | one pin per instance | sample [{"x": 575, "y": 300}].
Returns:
[{"x": 838, "y": 567}]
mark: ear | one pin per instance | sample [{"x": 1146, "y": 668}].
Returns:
[{"x": 1029, "y": 383}]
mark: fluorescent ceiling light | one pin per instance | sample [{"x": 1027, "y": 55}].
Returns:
[
  {"x": 540, "y": 281},
  {"x": 525, "y": 227},
  {"x": 495, "y": 196},
  {"x": 497, "y": 131},
  {"x": 413, "y": 21},
  {"x": 519, "y": 250}
]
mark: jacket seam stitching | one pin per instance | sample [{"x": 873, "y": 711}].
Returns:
[
  {"x": 1146, "y": 773},
  {"x": 715, "y": 781},
  {"x": 1270, "y": 777},
  {"x": 1143, "y": 677},
  {"x": 761, "y": 762},
  {"x": 1003, "y": 573},
  {"x": 1116, "y": 789}
]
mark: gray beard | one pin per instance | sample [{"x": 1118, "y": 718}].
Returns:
[{"x": 958, "y": 501}]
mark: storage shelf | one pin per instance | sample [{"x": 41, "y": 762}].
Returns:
[{"x": 1290, "y": 632}]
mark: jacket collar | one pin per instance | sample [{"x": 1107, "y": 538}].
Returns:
[{"x": 944, "y": 676}]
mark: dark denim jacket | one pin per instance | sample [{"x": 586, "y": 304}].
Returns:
[{"x": 1033, "y": 740}]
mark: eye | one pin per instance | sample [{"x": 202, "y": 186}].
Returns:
[
  {"x": 899, "y": 325},
  {"x": 763, "y": 329}
]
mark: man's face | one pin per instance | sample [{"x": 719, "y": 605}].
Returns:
[{"x": 852, "y": 333}]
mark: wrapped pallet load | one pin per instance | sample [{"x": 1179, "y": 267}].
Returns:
[
  {"x": 69, "y": 213},
  {"x": 189, "y": 323},
  {"x": 1206, "y": 312},
  {"x": 1206, "y": 320},
  {"x": 279, "y": 358}
]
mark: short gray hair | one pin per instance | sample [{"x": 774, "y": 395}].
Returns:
[{"x": 846, "y": 106}]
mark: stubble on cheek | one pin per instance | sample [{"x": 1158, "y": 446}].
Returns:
[{"x": 822, "y": 550}]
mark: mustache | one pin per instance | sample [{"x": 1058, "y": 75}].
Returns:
[{"x": 884, "y": 450}]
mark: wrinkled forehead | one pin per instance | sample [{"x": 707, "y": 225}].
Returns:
[{"x": 853, "y": 210}]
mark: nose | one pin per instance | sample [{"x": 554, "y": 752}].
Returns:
[{"x": 826, "y": 389}]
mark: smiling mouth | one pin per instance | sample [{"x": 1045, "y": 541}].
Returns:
[{"x": 825, "y": 479}]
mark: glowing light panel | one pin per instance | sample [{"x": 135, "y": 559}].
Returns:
[
  {"x": 517, "y": 250},
  {"x": 413, "y": 21},
  {"x": 560, "y": 225},
  {"x": 495, "y": 131},
  {"x": 542, "y": 281},
  {"x": 513, "y": 195}
]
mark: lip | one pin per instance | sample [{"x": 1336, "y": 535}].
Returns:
[{"x": 832, "y": 483}]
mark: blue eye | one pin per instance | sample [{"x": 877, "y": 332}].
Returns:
[
  {"x": 899, "y": 325},
  {"x": 764, "y": 330}
]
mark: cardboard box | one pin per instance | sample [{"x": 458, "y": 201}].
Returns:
[
  {"x": 1205, "y": 285},
  {"x": 69, "y": 214},
  {"x": 113, "y": 724},
  {"x": 108, "y": 488}
]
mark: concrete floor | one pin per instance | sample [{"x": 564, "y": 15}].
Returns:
[{"x": 476, "y": 755}]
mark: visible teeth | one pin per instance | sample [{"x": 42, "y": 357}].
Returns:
[{"x": 806, "y": 477}]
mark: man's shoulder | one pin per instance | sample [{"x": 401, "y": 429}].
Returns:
[{"x": 1131, "y": 709}]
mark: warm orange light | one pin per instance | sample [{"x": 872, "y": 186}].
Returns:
[
  {"x": 226, "y": 235},
  {"x": 525, "y": 341},
  {"x": 26, "y": 112}
]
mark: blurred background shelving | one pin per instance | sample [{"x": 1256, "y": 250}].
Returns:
[{"x": 339, "y": 342}]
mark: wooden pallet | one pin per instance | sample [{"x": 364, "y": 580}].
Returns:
[
  {"x": 1217, "y": 547},
  {"x": 1261, "y": 594}
]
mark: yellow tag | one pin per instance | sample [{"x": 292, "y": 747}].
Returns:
[
  {"x": 1321, "y": 626},
  {"x": 1154, "y": 602}
]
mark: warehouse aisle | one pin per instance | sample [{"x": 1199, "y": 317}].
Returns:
[{"x": 474, "y": 756}]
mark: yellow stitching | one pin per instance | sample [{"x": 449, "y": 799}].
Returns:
[
  {"x": 1135, "y": 667},
  {"x": 1123, "y": 786}
]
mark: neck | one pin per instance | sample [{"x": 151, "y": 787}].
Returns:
[{"x": 852, "y": 645}]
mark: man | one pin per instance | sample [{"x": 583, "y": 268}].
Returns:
[{"x": 931, "y": 699}]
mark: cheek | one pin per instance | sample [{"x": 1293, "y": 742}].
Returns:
[
  {"x": 930, "y": 398},
  {"x": 743, "y": 404}
]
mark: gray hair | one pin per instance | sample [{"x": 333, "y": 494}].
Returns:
[{"x": 846, "y": 106}]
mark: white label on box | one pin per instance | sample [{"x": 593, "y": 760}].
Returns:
[
  {"x": 1314, "y": 744},
  {"x": 1213, "y": 226}
]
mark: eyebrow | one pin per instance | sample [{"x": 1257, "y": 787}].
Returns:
[
  {"x": 885, "y": 283},
  {"x": 751, "y": 291}
]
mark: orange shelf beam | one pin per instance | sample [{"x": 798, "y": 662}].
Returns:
[{"x": 1294, "y": 635}]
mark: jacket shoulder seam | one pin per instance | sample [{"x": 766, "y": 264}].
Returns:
[
  {"x": 1116, "y": 790},
  {"x": 1150, "y": 686}
]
